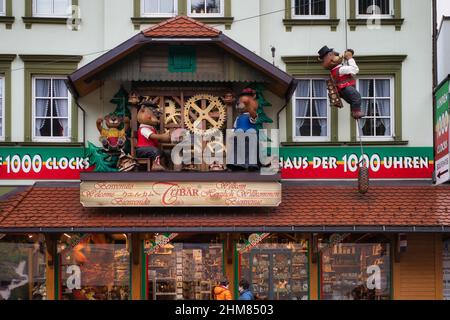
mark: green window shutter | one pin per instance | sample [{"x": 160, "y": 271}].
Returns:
[{"x": 182, "y": 59}]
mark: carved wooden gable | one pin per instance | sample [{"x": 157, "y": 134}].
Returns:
[{"x": 212, "y": 64}]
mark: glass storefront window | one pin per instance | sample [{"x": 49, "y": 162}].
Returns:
[
  {"x": 352, "y": 271},
  {"x": 22, "y": 267},
  {"x": 276, "y": 271},
  {"x": 184, "y": 271},
  {"x": 96, "y": 268}
]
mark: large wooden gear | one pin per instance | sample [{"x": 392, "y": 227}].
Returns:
[
  {"x": 172, "y": 115},
  {"x": 204, "y": 114}
]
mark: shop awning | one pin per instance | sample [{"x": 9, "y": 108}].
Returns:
[
  {"x": 57, "y": 208},
  {"x": 183, "y": 31}
]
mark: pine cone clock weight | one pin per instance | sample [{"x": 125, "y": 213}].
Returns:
[{"x": 363, "y": 179}]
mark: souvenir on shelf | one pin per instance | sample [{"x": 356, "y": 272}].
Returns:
[
  {"x": 188, "y": 272},
  {"x": 344, "y": 272},
  {"x": 277, "y": 271}
]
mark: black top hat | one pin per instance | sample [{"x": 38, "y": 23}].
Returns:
[{"x": 324, "y": 51}]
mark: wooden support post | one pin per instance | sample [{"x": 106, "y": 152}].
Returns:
[
  {"x": 229, "y": 259},
  {"x": 396, "y": 269},
  {"x": 314, "y": 247},
  {"x": 313, "y": 267},
  {"x": 51, "y": 256},
  {"x": 397, "y": 253},
  {"x": 162, "y": 118},
  {"x": 136, "y": 266},
  {"x": 401, "y": 244},
  {"x": 134, "y": 128},
  {"x": 204, "y": 167},
  {"x": 438, "y": 251},
  {"x": 30, "y": 273}
]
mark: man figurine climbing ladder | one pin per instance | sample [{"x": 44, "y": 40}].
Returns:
[{"x": 343, "y": 68}]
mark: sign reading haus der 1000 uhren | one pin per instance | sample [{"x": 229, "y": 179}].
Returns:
[{"x": 311, "y": 163}]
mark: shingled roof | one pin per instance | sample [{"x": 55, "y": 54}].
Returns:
[
  {"x": 304, "y": 208},
  {"x": 181, "y": 27}
]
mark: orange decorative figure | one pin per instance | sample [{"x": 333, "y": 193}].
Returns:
[
  {"x": 79, "y": 253},
  {"x": 111, "y": 137}
]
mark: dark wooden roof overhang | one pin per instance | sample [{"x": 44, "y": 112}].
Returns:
[{"x": 83, "y": 81}]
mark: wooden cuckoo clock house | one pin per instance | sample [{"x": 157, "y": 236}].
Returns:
[{"x": 191, "y": 73}]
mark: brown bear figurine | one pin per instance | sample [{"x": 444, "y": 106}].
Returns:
[
  {"x": 343, "y": 68},
  {"x": 148, "y": 138},
  {"x": 112, "y": 138}
]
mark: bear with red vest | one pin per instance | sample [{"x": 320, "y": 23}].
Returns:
[
  {"x": 148, "y": 138},
  {"x": 343, "y": 68}
]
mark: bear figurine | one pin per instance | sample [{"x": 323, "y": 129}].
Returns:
[
  {"x": 148, "y": 138},
  {"x": 246, "y": 122},
  {"x": 342, "y": 83},
  {"x": 112, "y": 137}
]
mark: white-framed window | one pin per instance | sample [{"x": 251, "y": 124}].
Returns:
[
  {"x": 159, "y": 8},
  {"x": 51, "y": 109},
  {"x": 210, "y": 8},
  {"x": 375, "y": 8},
  {"x": 377, "y": 95},
  {"x": 52, "y": 8},
  {"x": 2, "y": 7},
  {"x": 2, "y": 107},
  {"x": 311, "y": 111},
  {"x": 307, "y": 9}
]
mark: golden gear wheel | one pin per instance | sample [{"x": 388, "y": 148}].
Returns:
[
  {"x": 172, "y": 114},
  {"x": 213, "y": 114}
]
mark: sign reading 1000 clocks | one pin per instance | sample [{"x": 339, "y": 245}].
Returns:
[
  {"x": 180, "y": 194},
  {"x": 50, "y": 163}
]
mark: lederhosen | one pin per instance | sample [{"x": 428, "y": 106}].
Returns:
[{"x": 346, "y": 87}]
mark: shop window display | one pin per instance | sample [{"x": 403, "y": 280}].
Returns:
[
  {"x": 95, "y": 267},
  {"x": 184, "y": 271},
  {"x": 352, "y": 271},
  {"x": 22, "y": 267},
  {"x": 276, "y": 271}
]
